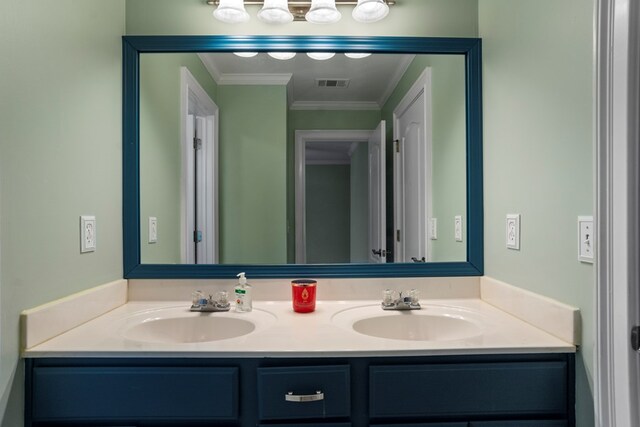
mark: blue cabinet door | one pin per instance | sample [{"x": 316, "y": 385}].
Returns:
[
  {"x": 465, "y": 390},
  {"x": 134, "y": 393}
]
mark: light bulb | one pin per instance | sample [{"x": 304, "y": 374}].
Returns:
[
  {"x": 231, "y": 12},
  {"x": 355, "y": 55},
  {"x": 368, "y": 11},
  {"x": 275, "y": 12},
  {"x": 320, "y": 56},
  {"x": 283, "y": 56},
  {"x": 245, "y": 54},
  {"x": 323, "y": 12}
]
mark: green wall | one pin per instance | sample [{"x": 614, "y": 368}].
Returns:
[
  {"x": 253, "y": 167},
  {"x": 60, "y": 157},
  {"x": 448, "y": 147},
  {"x": 538, "y": 153},
  {"x": 328, "y": 214},
  {"x": 160, "y": 152}
]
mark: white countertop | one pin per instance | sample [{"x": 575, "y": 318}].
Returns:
[{"x": 280, "y": 332}]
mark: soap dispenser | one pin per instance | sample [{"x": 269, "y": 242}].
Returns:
[{"x": 243, "y": 294}]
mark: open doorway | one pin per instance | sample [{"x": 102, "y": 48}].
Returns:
[{"x": 340, "y": 196}]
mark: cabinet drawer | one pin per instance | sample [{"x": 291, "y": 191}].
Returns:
[
  {"x": 537, "y": 423},
  {"x": 276, "y": 383},
  {"x": 140, "y": 393},
  {"x": 463, "y": 424},
  {"x": 307, "y": 425},
  {"x": 462, "y": 390}
]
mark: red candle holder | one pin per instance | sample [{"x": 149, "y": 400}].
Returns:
[{"x": 303, "y": 292}]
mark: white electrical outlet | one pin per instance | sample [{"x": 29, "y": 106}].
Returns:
[
  {"x": 585, "y": 239},
  {"x": 433, "y": 229},
  {"x": 153, "y": 229},
  {"x": 457, "y": 228},
  {"x": 87, "y": 233},
  {"x": 513, "y": 231}
]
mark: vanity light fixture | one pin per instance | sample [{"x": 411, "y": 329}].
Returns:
[
  {"x": 283, "y": 56},
  {"x": 320, "y": 56},
  {"x": 275, "y": 12},
  {"x": 314, "y": 11},
  {"x": 231, "y": 12},
  {"x": 369, "y": 11}
]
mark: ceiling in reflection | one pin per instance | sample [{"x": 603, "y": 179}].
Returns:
[{"x": 368, "y": 82}]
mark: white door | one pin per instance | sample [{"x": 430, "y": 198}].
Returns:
[
  {"x": 377, "y": 197},
  {"x": 412, "y": 173},
  {"x": 199, "y": 207},
  {"x": 201, "y": 194}
]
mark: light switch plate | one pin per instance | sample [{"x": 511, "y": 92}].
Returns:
[
  {"x": 585, "y": 239},
  {"x": 457, "y": 228},
  {"x": 87, "y": 233},
  {"x": 433, "y": 229},
  {"x": 153, "y": 229},
  {"x": 513, "y": 231}
]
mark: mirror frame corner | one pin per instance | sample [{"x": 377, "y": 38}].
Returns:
[{"x": 132, "y": 46}]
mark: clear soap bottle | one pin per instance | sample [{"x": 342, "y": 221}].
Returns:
[{"x": 243, "y": 294}]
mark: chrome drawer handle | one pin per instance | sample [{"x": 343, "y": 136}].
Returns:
[{"x": 290, "y": 397}]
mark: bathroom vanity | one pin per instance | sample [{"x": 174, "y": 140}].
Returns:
[
  {"x": 481, "y": 390},
  {"x": 479, "y": 367}
]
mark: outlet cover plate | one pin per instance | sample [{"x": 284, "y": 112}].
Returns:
[
  {"x": 585, "y": 239},
  {"x": 457, "y": 228},
  {"x": 153, "y": 229},
  {"x": 87, "y": 233},
  {"x": 513, "y": 231},
  {"x": 433, "y": 229}
]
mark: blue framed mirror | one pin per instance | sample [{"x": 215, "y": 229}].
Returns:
[{"x": 175, "y": 228}]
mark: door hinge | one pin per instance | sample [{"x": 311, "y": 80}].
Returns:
[
  {"x": 397, "y": 235},
  {"x": 197, "y": 236},
  {"x": 635, "y": 338},
  {"x": 397, "y": 143},
  {"x": 197, "y": 143}
]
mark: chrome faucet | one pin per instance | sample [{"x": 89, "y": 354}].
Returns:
[
  {"x": 406, "y": 300},
  {"x": 211, "y": 304}
]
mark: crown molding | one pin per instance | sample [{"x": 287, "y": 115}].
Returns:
[
  {"x": 255, "y": 79},
  {"x": 334, "y": 105}
]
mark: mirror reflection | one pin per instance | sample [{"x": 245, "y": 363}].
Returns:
[{"x": 259, "y": 160}]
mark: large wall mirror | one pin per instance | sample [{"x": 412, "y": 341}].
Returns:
[{"x": 302, "y": 156}]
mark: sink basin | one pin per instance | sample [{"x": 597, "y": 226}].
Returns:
[
  {"x": 432, "y": 323},
  {"x": 180, "y": 326}
]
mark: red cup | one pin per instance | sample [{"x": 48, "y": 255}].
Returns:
[{"x": 303, "y": 292}]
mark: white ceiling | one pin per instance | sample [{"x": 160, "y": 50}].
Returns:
[{"x": 372, "y": 79}]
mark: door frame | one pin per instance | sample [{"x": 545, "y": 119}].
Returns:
[
  {"x": 301, "y": 138},
  {"x": 617, "y": 134},
  {"x": 188, "y": 84},
  {"x": 421, "y": 85}
]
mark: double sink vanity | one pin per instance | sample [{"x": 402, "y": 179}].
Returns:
[
  {"x": 477, "y": 354},
  {"x": 455, "y": 362}
]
